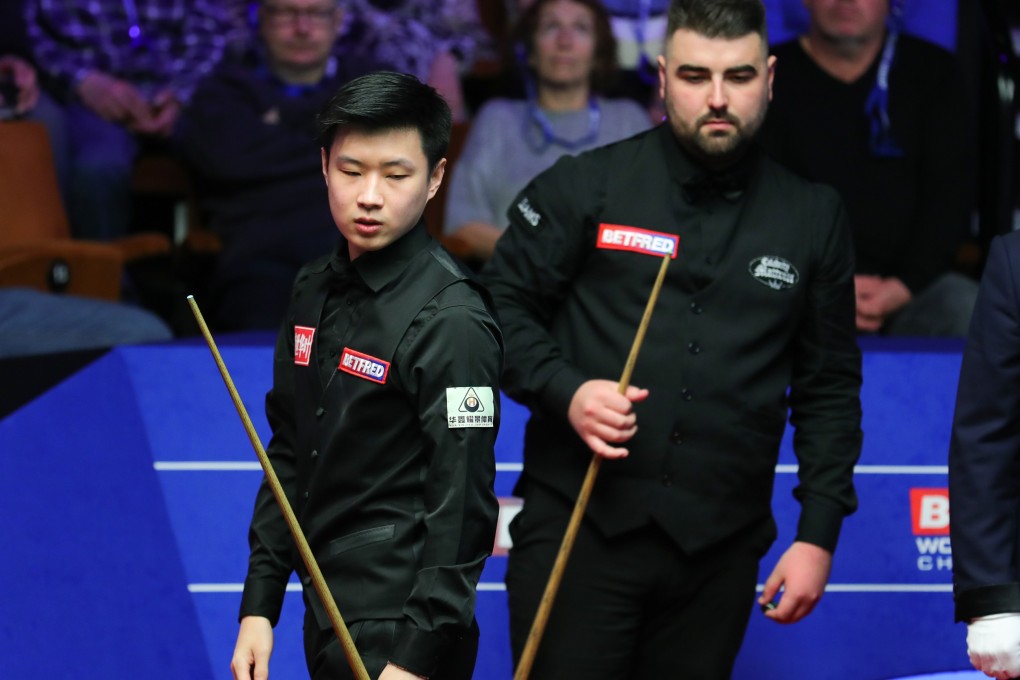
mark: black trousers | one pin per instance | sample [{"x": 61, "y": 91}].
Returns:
[
  {"x": 374, "y": 639},
  {"x": 631, "y": 606}
]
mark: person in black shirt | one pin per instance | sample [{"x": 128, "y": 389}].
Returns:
[
  {"x": 384, "y": 411},
  {"x": 755, "y": 320},
  {"x": 879, "y": 115},
  {"x": 248, "y": 134}
]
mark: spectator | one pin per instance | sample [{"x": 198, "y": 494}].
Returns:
[
  {"x": 19, "y": 82},
  {"x": 249, "y": 133},
  {"x": 879, "y": 115},
  {"x": 568, "y": 53},
  {"x": 433, "y": 40},
  {"x": 122, "y": 71}
]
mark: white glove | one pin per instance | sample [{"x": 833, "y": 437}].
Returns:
[{"x": 993, "y": 644}]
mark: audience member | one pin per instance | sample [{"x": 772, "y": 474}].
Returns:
[
  {"x": 122, "y": 71},
  {"x": 20, "y": 85},
  {"x": 639, "y": 27},
  {"x": 33, "y": 322},
  {"x": 249, "y": 133},
  {"x": 879, "y": 115},
  {"x": 568, "y": 53},
  {"x": 433, "y": 40}
]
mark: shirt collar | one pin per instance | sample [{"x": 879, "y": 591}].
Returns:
[
  {"x": 687, "y": 172},
  {"x": 378, "y": 268}
]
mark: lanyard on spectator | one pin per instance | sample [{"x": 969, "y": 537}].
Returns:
[
  {"x": 538, "y": 117},
  {"x": 883, "y": 144}
]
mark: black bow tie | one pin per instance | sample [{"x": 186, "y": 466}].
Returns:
[{"x": 706, "y": 187}]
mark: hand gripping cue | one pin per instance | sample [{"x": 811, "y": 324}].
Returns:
[
  {"x": 545, "y": 605},
  {"x": 357, "y": 667}
]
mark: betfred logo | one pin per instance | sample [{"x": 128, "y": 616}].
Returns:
[
  {"x": 303, "y": 336},
  {"x": 364, "y": 366},
  {"x": 619, "y": 237},
  {"x": 929, "y": 511}
]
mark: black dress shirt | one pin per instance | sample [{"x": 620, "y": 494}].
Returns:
[
  {"x": 395, "y": 500},
  {"x": 755, "y": 319}
]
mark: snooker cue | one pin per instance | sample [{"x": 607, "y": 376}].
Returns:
[
  {"x": 357, "y": 667},
  {"x": 546, "y": 603}
]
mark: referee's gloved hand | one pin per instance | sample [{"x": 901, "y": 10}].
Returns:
[{"x": 993, "y": 644}]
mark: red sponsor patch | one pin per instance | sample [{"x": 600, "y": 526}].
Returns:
[
  {"x": 636, "y": 240},
  {"x": 929, "y": 511},
  {"x": 364, "y": 366},
  {"x": 303, "y": 336}
]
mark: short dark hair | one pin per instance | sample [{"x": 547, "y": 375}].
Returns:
[
  {"x": 604, "y": 66},
  {"x": 386, "y": 100},
  {"x": 728, "y": 19}
]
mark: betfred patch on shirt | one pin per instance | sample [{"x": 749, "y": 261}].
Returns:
[
  {"x": 303, "y": 336},
  {"x": 364, "y": 366},
  {"x": 469, "y": 407},
  {"x": 637, "y": 240}
]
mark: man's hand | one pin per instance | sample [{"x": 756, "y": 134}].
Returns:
[
  {"x": 877, "y": 299},
  {"x": 993, "y": 645},
  {"x": 162, "y": 115},
  {"x": 114, "y": 100},
  {"x": 392, "y": 672},
  {"x": 802, "y": 572},
  {"x": 251, "y": 653},
  {"x": 23, "y": 75},
  {"x": 603, "y": 417}
]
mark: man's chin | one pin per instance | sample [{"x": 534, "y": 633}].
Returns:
[{"x": 720, "y": 152}]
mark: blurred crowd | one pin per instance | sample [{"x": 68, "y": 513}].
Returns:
[{"x": 225, "y": 93}]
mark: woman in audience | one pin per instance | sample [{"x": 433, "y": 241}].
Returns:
[{"x": 567, "y": 54}]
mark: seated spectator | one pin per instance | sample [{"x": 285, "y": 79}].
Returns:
[
  {"x": 568, "y": 53},
  {"x": 122, "y": 71},
  {"x": 879, "y": 115},
  {"x": 20, "y": 84},
  {"x": 433, "y": 40},
  {"x": 249, "y": 134}
]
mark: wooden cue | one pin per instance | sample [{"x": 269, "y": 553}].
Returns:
[
  {"x": 545, "y": 605},
  {"x": 353, "y": 658}
]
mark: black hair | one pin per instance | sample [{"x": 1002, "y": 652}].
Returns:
[
  {"x": 386, "y": 100},
  {"x": 727, "y": 19}
]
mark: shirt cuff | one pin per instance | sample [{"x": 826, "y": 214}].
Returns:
[
  {"x": 820, "y": 525},
  {"x": 986, "y": 600},
  {"x": 262, "y": 598},
  {"x": 559, "y": 392},
  {"x": 418, "y": 651}
]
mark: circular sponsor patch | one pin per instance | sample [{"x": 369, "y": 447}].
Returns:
[{"x": 774, "y": 272}]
